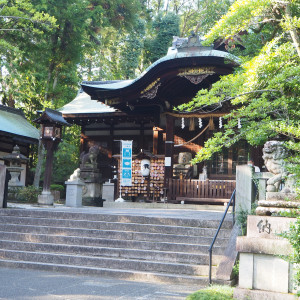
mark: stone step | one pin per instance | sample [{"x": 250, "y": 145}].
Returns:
[
  {"x": 103, "y": 225},
  {"x": 115, "y": 244},
  {"x": 98, "y": 242},
  {"x": 175, "y": 257},
  {"x": 122, "y": 218},
  {"x": 105, "y": 262},
  {"x": 111, "y": 234},
  {"x": 200, "y": 281}
]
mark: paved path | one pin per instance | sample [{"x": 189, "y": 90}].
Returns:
[
  {"x": 24, "y": 284},
  {"x": 150, "y": 212}
]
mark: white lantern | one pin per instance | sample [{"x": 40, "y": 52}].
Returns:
[{"x": 145, "y": 167}]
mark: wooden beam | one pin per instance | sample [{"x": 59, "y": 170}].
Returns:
[{"x": 169, "y": 146}]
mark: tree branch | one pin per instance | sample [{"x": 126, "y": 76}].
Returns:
[{"x": 231, "y": 98}]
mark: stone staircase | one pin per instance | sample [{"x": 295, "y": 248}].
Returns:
[{"x": 133, "y": 247}]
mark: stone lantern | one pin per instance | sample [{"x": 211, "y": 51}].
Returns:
[
  {"x": 15, "y": 160},
  {"x": 52, "y": 122}
]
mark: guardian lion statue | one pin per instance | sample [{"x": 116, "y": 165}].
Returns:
[
  {"x": 274, "y": 155},
  {"x": 90, "y": 157}
]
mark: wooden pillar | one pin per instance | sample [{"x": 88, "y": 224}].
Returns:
[
  {"x": 142, "y": 135},
  {"x": 155, "y": 140},
  {"x": 169, "y": 146},
  {"x": 111, "y": 141}
]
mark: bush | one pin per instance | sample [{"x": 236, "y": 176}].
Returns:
[
  {"x": 57, "y": 187},
  {"x": 293, "y": 235},
  {"x": 28, "y": 194},
  {"x": 214, "y": 292}
]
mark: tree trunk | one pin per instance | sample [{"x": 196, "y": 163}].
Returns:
[
  {"x": 293, "y": 31},
  {"x": 38, "y": 168}
]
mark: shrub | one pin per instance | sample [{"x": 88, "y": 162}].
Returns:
[
  {"x": 214, "y": 292},
  {"x": 293, "y": 235},
  {"x": 28, "y": 194},
  {"x": 57, "y": 187}
]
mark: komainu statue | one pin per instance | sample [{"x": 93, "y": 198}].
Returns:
[
  {"x": 274, "y": 155},
  {"x": 89, "y": 159}
]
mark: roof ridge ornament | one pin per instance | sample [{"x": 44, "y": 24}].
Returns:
[{"x": 193, "y": 41}]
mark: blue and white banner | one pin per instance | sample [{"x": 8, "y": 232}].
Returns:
[{"x": 126, "y": 163}]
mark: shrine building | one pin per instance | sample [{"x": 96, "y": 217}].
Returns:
[{"x": 142, "y": 110}]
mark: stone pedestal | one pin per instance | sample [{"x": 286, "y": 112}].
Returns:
[
  {"x": 108, "y": 191},
  {"x": 244, "y": 188},
  {"x": 261, "y": 267},
  {"x": 92, "y": 179},
  {"x": 74, "y": 193},
  {"x": 46, "y": 198},
  {"x": 276, "y": 203},
  {"x": 262, "y": 178}
]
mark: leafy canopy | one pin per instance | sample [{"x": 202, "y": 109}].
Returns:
[{"x": 264, "y": 91}]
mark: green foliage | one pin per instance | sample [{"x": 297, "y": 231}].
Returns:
[
  {"x": 28, "y": 194},
  {"x": 214, "y": 292},
  {"x": 264, "y": 91},
  {"x": 293, "y": 213},
  {"x": 200, "y": 16},
  {"x": 165, "y": 27},
  {"x": 293, "y": 236},
  {"x": 236, "y": 269},
  {"x": 242, "y": 216},
  {"x": 66, "y": 158},
  {"x": 57, "y": 187}
]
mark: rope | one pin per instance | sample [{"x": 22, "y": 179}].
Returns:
[
  {"x": 193, "y": 137},
  {"x": 195, "y": 115}
]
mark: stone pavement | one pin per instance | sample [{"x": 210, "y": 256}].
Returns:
[
  {"x": 24, "y": 284},
  {"x": 205, "y": 214}
]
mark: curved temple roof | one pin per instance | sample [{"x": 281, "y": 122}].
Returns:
[
  {"x": 126, "y": 83},
  {"x": 184, "y": 55},
  {"x": 13, "y": 123}
]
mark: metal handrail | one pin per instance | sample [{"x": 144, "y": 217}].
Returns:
[{"x": 232, "y": 200}]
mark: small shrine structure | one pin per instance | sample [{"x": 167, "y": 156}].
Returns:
[{"x": 16, "y": 130}]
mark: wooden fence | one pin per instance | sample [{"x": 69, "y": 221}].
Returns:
[{"x": 200, "y": 191}]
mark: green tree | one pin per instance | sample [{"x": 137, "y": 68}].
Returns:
[
  {"x": 165, "y": 27},
  {"x": 264, "y": 91}
]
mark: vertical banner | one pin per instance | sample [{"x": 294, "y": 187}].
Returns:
[{"x": 126, "y": 161}]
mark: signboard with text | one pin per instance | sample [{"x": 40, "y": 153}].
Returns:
[{"x": 126, "y": 163}]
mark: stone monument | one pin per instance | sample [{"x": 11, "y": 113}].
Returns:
[
  {"x": 262, "y": 267},
  {"x": 280, "y": 192}
]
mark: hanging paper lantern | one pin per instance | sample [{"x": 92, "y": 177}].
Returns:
[
  {"x": 182, "y": 123},
  {"x": 200, "y": 122},
  {"x": 220, "y": 122}
]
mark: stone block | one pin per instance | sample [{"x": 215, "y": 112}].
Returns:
[
  {"x": 108, "y": 191},
  {"x": 261, "y": 245},
  {"x": 246, "y": 270},
  {"x": 245, "y": 294},
  {"x": 74, "y": 193},
  {"x": 92, "y": 190},
  {"x": 267, "y": 227},
  {"x": 46, "y": 198},
  {"x": 244, "y": 188},
  {"x": 280, "y": 196},
  {"x": 270, "y": 273}
]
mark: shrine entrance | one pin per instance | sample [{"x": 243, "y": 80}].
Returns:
[{"x": 144, "y": 111}]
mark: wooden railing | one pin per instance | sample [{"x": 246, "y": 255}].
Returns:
[{"x": 200, "y": 190}]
